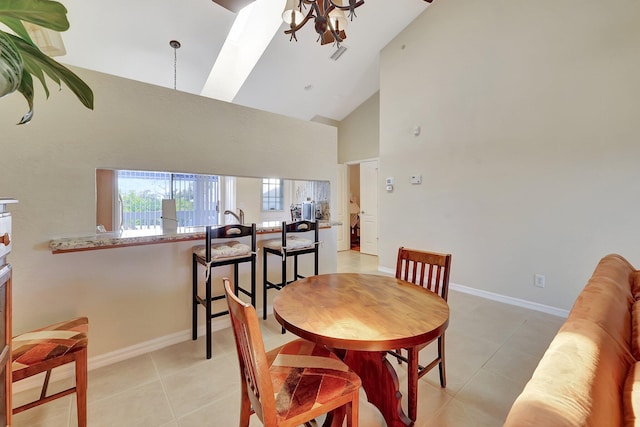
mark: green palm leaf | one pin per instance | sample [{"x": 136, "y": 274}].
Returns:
[
  {"x": 26, "y": 89},
  {"x": 17, "y": 27},
  {"x": 46, "y": 13},
  {"x": 37, "y": 62}
]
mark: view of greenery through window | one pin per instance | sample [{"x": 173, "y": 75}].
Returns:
[{"x": 141, "y": 194}]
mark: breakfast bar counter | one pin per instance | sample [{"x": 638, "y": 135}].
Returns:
[{"x": 149, "y": 237}]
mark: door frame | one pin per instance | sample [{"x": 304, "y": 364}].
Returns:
[{"x": 345, "y": 192}]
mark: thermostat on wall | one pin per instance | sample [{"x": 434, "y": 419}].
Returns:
[{"x": 389, "y": 184}]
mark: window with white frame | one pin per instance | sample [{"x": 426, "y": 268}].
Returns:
[
  {"x": 272, "y": 194},
  {"x": 140, "y": 195}
]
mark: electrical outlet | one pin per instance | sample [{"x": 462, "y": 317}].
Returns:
[{"x": 538, "y": 280}]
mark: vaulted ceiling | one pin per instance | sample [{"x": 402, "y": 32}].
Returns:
[{"x": 131, "y": 39}]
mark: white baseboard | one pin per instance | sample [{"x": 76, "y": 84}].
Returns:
[
  {"x": 510, "y": 300},
  {"x": 500, "y": 298}
]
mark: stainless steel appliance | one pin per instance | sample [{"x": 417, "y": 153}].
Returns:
[{"x": 308, "y": 211}]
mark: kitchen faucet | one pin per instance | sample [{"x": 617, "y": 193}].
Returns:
[{"x": 240, "y": 218}]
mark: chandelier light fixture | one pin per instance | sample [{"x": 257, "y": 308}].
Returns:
[{"x": 328, "y": 17}]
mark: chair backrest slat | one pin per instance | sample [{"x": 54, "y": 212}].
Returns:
[{"x": 437, "y": 277}]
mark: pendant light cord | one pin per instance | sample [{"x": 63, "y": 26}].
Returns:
[{"x": 175, "y": 45}]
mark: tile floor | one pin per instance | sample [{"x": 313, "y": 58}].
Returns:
[{"x": 492, "y": 349}]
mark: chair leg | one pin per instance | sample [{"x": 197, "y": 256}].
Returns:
[
  {"x": 315, "y": 261},
  {"x": 353, "y": 409},
  {"x": 443, "y": 372},
  {"x": 194, "y": 300},
  {"x": 208, "y": 306},
  {"x": 284, "y": 280},
  {"x": 236, "y": 279},
  {"x": 264, "y": 285},
  {"x": 81, "y": 387},
  {"x": 45, "y": 385},
  {"x": 284, "y": 273},
  {"x": 245, "y": 408},
  {"x": 412, "y": 382},
  {"x": 253, "y": 281}
]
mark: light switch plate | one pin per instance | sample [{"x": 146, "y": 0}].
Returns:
[{"x": 415, "y": 179}]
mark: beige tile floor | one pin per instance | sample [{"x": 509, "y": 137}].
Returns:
[{"x": 492, "y": 349}]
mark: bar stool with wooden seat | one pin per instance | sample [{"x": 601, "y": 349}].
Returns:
[
  {"x": 217, "y": 254},
  {"x": 289, "y": 245},
  {"x": 50, "y": 347}
]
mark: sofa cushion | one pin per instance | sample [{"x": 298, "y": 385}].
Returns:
[
  {"x": 614, "y": 267},
  {"x": 607, "y": 303},
  {"x": 578, "y": 382},
  {"x": 634, "y": 278},
  {"x": 635, "y": 330},
  {"x": 631, "y": 397}
]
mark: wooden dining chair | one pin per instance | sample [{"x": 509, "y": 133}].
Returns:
[
  {"x": 292, "y": 384},
  {"x": 431, "y": 271},
  {"x": 50, "y": 347}
]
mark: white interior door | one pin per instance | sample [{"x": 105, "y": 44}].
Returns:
[
  {"x": 369, "y": 207},
  {"x": 342, "y": 209}
]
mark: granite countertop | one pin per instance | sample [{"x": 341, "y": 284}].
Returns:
[{"x": 148, "y": 237}]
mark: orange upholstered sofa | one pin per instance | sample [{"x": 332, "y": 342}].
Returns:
[{"x": 590, "y": 374}]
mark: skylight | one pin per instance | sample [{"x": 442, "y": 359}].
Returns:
[{"x": 251, "y": 33}]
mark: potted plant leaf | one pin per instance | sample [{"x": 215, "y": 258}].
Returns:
[{"x": 21, "y": 59}]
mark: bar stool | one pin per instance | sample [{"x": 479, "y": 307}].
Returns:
[
  {"x": 218, "y": 254},
  {"x": 285, "y": 247},
  {"x": 44, "y": 349}
]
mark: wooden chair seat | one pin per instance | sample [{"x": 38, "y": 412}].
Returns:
[
  {"x": 305, "y": 376},
  {"x": 47, "y": 348}
]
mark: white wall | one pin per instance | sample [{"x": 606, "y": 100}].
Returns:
[
  {"x": 359, "y": 132},
  {"x": 134, "y": 294},
  {"x": 530, "y": 141}
]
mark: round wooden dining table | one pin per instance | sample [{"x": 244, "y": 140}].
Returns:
[{"x": 365, "y": 315}]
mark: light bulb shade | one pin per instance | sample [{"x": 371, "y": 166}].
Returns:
[
  {"x": 338, "y": 19},
  {"x": 292, "y": 14}
]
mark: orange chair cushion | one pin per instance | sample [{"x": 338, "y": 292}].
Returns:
[
  {"x": 47, "y": 343},
  {"x": 306, "y": 375}
]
